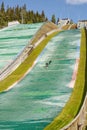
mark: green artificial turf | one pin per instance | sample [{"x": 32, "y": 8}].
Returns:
[
  {"x": 75, "y": 102},
  {"x": 24, "y": 67}
]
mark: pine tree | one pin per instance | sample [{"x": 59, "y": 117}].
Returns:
[
  {"x": 58, "y": 21},
  {"x": 53, "y": 19},
  {"x": 2, "y": 15},
  {"x": 2, "y": 8},
  {"x": 43, "y": 16}
]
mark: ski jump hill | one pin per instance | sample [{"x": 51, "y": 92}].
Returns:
[{"x": 73, "y": 115}]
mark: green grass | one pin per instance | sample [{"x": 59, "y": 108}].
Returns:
[
  {"x": 75, "y": 102},
  {"x": 23, "y": 68}
]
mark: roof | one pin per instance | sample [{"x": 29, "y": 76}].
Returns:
[
  {"x": 65, "y": 19},
  {"x": 82, "y": 20}
]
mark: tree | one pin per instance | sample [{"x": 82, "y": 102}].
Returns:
[
  {"x": 43, "y": 16},
  {"x": 46, "y": 19},
  {"x": 2, "y": 7},
  {"x": 58, "y": 21},
  {"x": 53, "y": 19},
  {"x": 21, "y": 14}
]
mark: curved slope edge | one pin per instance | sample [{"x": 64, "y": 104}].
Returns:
[{"x": 76, "y": 100}]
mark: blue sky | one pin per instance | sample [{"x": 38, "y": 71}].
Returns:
[{"x": 74, "y": 9}]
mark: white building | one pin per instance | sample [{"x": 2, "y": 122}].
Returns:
[
  {"x": 63, "y": 22},
  {"x": 13, "y": 23},
  {"x": 82, "y": 24}
]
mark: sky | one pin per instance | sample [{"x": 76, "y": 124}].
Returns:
[{"x": 73, "y": 9}]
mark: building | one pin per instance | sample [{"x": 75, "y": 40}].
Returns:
[
  {"x": 82, "y": 24},
  {"x": 13, "y": 23},
  {"x": 63, "y": 22}
]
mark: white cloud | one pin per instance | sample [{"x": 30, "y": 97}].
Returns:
[{"x": 76, "y": 1}]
